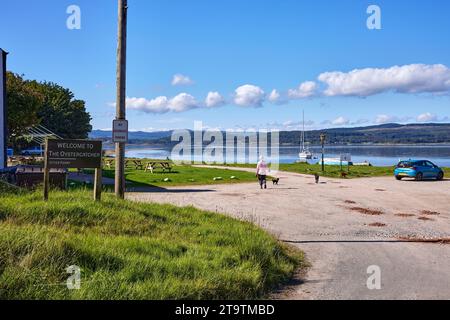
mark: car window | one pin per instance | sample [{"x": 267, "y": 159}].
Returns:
[
  {"x": 404, "y": 164},
  {"x": 429, "y": 164}
]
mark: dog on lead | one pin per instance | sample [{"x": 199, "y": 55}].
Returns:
[{"x": 275, "y": 181}]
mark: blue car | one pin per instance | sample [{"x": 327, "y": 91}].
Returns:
[
  {"x": 34, "y": 151},
  {"x": 419, "y": 170}
]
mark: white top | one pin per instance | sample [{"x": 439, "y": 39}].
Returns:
[{"x": 262, "y": 168}]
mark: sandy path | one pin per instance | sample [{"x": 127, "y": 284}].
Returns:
[{"x": 339, "y": 241}]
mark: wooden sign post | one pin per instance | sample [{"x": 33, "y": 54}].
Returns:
[
  {"x": 79, "y": 154},
  {"x": 46, "y": 172},
  {"x": 98, "y": 184}
]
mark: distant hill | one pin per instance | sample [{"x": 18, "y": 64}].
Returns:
[
  {"x": 392, "y": 133},
  {"x": 380, "y": 134},
  {"x": 137, "y": 135}
]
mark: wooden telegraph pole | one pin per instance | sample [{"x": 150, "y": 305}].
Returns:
[{"x": 120, "y": 101}]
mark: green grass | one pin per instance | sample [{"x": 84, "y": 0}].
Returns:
[
  {"x": 335, "y": 171},
  {"x": 129, "y": 250},
  {"x": 183, "y": 176},
  {"x": 330, "y": 171},
  {"x": 9, "y": 188}
]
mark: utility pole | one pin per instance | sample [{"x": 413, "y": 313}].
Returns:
[
  {"x": 322, "y": 141},
  {"x": 121, "y": 94}
]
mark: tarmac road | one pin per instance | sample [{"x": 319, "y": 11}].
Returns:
[{"x": 344, "y": 227}]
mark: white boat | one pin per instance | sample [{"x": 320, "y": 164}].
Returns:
[
  {"x": 335, "y": 162},
  {"x": 304, "y": 154}
]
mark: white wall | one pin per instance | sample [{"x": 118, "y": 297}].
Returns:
[{"x": 2, "y": 120}]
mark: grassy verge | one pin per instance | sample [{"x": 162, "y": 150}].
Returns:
[
  {"x": 335, "y": 171},
  {"x": 129, "y": 250},
  {"x": 330, "y": 171},
  {"x": 183, "y": 176}
]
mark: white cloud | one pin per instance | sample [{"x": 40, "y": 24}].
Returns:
[
  {"x": 214, "y": 99},
  {"x": 414, "y": 78},
  {"x": 305, "y": 90},
  {"x": 183, "y": 102},
  {"x": 384, "y": 118},
  {"x": 157, "y": 105},
  {"x": 249, "y": 96},
  {"x": 274, "y": 96},
  {"x": 181, "y": 80},
  {"x": 427, "y": 117},
  {"x": 179, "y": 103},
  {"x": 340, "y": 121}
]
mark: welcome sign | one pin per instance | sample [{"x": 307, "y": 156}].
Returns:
[
  {"x": 3, "y": 156},
  {"x": 74, "y": 154}
]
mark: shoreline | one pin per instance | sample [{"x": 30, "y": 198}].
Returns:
[{"x": 139, "y": 146}]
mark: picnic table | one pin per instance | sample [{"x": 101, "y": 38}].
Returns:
[
  {"x": 164, "y": 165},
  {"x": 23, "y": 160},
  {"x": 138, "y": 164},
  {"x": 108, "y": 163}
]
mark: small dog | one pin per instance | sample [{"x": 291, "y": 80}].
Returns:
[
  {"x": 275, "y": 181},
  {"x": 344, "y": 175},
  {"x": 317, "y": 178}
]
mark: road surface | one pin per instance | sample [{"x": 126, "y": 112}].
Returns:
[{"x": 344, "y": 227}]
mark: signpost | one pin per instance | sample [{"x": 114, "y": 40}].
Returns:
[
  {"x": 3, "y": 115},
  {"x": 120, "y": 131},
  {"x": 347, "y": 157},
  {"x": 78, "y": 154},
  {"x": 121, "y": 96}
]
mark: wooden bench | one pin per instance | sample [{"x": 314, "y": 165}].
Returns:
[
  {"x": 108, "y": 163},
  {"x": 138, "y": 164},
  {"x": 164, "y": 165}
]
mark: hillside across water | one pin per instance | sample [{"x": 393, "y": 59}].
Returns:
[{"x": 433, "y": 133}]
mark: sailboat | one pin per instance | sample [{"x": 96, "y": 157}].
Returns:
[{"x": 304, "y": 154}]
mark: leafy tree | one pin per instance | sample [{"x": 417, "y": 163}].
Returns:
[
  {"x": 23, "y": 103},
  {"x": 31, "y": 103},
  {"x": 61, "y": 113}
]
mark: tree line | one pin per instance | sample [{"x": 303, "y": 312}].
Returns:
[{"x": 31, "y": 103}]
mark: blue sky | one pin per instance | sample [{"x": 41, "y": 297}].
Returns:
[{"x": 239, "y": 52}]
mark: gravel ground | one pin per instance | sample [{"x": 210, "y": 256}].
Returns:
[{"x": 344, "y": 226}]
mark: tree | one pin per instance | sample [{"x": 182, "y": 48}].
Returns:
[
  {"x": 23, "y": 103},
  {"x": 61, "y": 113},
  {"x": 31, "y": 103}
]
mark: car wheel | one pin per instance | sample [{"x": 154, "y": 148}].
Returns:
[
  {"x": 398, "y": 178},
  {"x": 440, "y": 176},
  {"x": 419, "y": 176}
]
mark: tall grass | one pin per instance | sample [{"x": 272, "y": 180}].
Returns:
[{"x": 130, "y": 250}]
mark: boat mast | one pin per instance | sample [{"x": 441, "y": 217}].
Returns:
[{"x": 303, "y": 133}]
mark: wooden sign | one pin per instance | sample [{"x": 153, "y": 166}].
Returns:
[
  {"x": 85, "y": 154},
  {"x": 80, "y": 154}
]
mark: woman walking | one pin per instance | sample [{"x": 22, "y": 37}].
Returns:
[{"x": 261, "y": 172}]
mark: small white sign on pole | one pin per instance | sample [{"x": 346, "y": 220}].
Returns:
[
  {"x": 347, "y": 157},
  {"x": 120, "y": 131}
]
